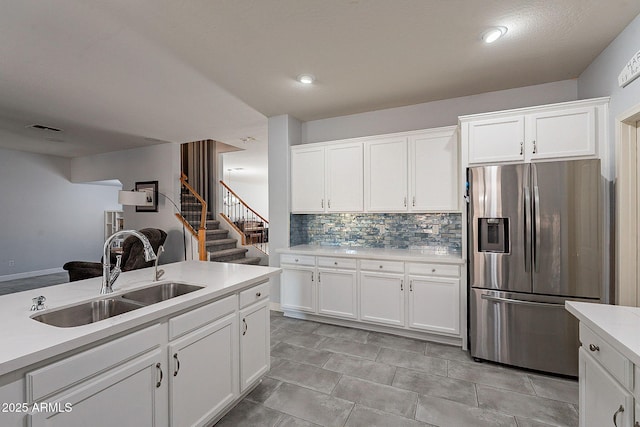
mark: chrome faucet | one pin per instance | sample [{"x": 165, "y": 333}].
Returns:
[
  {"x": 158, "y": 273},
  {"x": 109, "y": 276}
]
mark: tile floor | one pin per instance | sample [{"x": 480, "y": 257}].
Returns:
[{"x": 333, "y": 376}]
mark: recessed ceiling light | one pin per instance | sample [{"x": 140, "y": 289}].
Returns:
[
  {"x": 493, "y": 34},
  {"x": 306, "y": 79}
]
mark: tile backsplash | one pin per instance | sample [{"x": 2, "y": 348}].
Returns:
[{"x": 389, "y": 230}]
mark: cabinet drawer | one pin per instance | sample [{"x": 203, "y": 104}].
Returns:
[
  {"x": 446, "y": 270},
  {"x": 636, "y": 386},
  {"x": 194, "y": 319},
  {"x": 297, "y": 259},
  {"x": 254, "y": 294},
  {"x": 72, "y": 370},
  {"x": 327, "y": 262},
  {"x": 614, "y": 362},
  {"x": 385, "y": 266}
]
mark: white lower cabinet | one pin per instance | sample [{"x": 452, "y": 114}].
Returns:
[
  {"x": 204, "y": 373},
  {"x": 382, "y": 298},
  {"x": 254, "y": 343},
  {"x": 130, "y": 395},
  {"x": 603, "y": 400},
  {"x": 434, "y": 304},
  {"x": 298, "y": 289},
  {"x": 337, "y": 293}
]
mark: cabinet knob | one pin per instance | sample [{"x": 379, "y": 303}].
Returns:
[
  {"x": 335, "y": 263},
  {"x": 380, "y": 266},
  {"x": 296, "y": 260},
  {"x": 594, "y": 347},
  {"x": 433, "y": 270},
  {"x": 258, "y": 294}
]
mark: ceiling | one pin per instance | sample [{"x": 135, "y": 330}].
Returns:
[{"x": 116, "y": 74}]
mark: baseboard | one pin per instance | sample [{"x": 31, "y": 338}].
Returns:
[
  {"x": 275, "y": 306},
  {"x": 28, "y": 274}
]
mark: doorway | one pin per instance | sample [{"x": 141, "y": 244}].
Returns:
[{"x": 628, "y": 208}]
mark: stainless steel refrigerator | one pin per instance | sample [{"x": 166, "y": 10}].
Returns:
[{"x": 534, "y": 242}]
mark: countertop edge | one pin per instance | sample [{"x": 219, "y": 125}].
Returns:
[{"x": 407, "y": 255}]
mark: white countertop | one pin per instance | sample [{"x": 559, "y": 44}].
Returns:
[
  {"x": 439, "y": 255},
  {"x": 618, "y": 325},
  {"x": 25, "y": 341}
]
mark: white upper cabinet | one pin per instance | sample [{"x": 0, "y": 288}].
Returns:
[
  {"x": 570, "y": 130},
  {"x": 496, "y": 140},
  {"x": 433, "y": 171},
  {"x": 385, "y": 168},
  {"x": 326, "y": 178},
  {"x": 307, "y": 179},
  {"x": 344, "y": 178}
]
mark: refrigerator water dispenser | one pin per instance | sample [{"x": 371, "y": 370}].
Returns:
[{"x": 493, "y": 235}]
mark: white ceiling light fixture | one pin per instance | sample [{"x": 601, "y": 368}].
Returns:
[
  {"x": 306, "y": 79},
  {"x": 493, "y": 34}
]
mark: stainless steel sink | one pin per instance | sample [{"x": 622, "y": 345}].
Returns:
[
  {"x": 88, "y": 312},
  {"x": 161, "y": 292}
]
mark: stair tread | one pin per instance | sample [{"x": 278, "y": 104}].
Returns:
[
  {"x": 253, "y": 260},
  {"x": 225, "y": 252},
  {"x": 219, "y": 242}
]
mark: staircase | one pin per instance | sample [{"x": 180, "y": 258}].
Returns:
[{"x": 218, "y": 244}]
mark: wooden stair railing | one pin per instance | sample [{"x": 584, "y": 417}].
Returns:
[
  {"x": 201, "y": 234},
  {"x": 252, "y": 226}
]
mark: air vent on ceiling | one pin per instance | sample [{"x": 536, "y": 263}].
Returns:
[{"x": 43, "y": 127}]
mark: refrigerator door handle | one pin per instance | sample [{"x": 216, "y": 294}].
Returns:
[
  {"x": 527, "y": 228},
  {"x": 536, "y": 236},
  {"x": 517, "y": 301}
]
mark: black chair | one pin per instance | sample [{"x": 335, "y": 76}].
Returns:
[{"x": 132, "y": 256}]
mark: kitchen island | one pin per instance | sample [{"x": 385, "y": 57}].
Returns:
[
  {"x": 182, "y": 361},
  {"x": 609, "y": 370}
]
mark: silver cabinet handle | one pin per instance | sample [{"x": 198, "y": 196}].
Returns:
[
  {"x": 521, "y": 147},
  {"x": 615, "y": 415},
  {"x": 244, "y": 322},
  {"x": 177, "y": 369},
  {"x": 594, "y": 347},
  {"x": 535, "y": 149},
  {"x": 159, "y": 368}
]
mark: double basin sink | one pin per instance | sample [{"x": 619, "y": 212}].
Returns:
[{"x": 94, "y": 311}]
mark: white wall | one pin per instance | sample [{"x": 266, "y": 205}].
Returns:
[
  {"x": 436, "y": 113},
  {"x": 252, "y": 182},
  {"x": 601, "y": 77},
  {"x": 46, "y": 220},
  {"x": 152, "y": 163},
  {"x": 284, "y": 131}
]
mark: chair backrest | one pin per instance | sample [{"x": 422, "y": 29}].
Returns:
[{"x": 132, "y": 249}]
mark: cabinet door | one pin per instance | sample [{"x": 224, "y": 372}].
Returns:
[
  {"x": 496, "y": 140},
  {"x": 558, "y": 134},
  {"x": 337, "y": 293},
  {"x": 254, "y": 343},
  {"x": 385, "y": 180},
  {"x": 434, "y": 304},
  {"x": 131, "y": 395},
  {"x": 298, "y": 289},
  {"x": 433, "y": 172},
  {"x": 344, "y": 178},
  {"x": 307, "y": 179},
  {"x": 602, "y": 398},
  {"x": 204, "y": 372},
  {"x": 382, "y": 298}
]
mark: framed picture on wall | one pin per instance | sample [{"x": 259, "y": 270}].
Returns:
[{"x": 151, "y": 188}]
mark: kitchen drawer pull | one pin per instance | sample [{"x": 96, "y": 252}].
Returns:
[
  {"x": 615, "y": 415},
  {"x": 594, "y": 347},
  {"x": 335, "y": 263},
  {"x": 159, "y": 368},
  {"x": 175, "y": 357},
  {"x": 258, "y": 294},
  {"x": 433, "y": 270}
]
